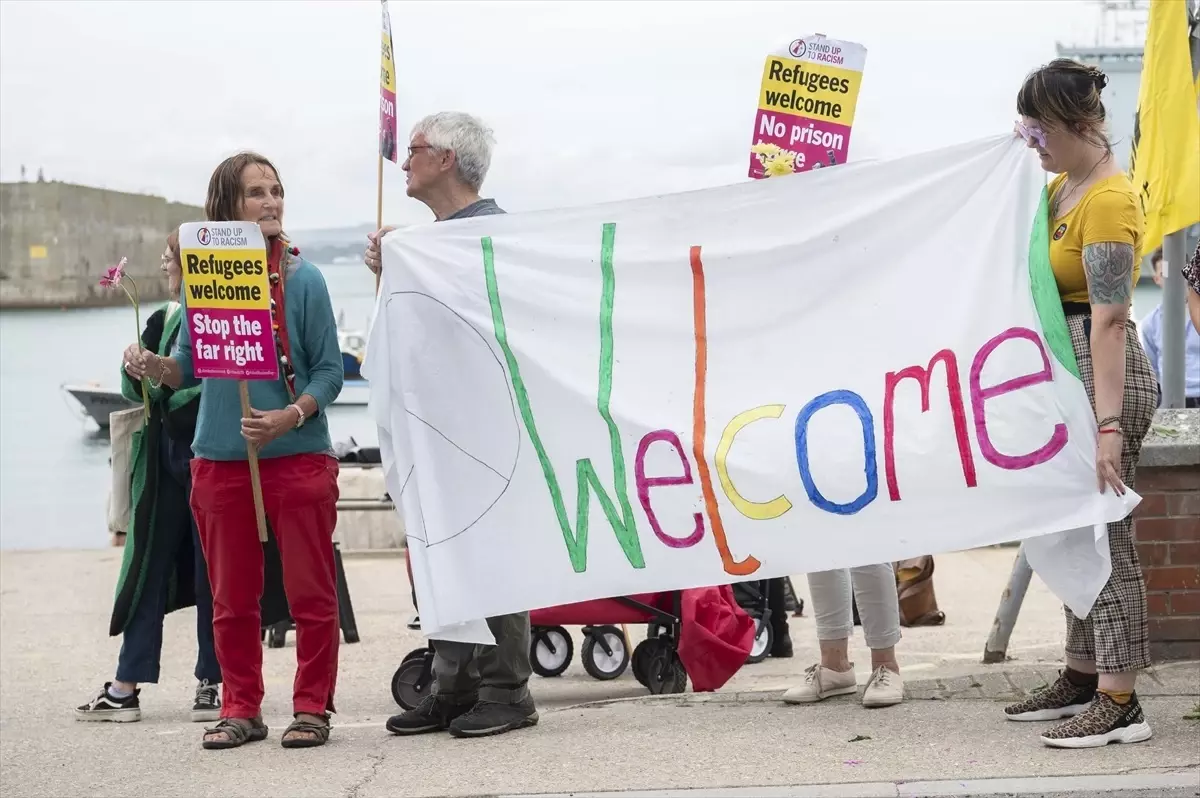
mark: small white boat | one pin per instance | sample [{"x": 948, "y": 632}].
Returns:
[{"x": 96, "y": 402}]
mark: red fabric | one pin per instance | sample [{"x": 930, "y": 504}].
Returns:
[
  {"x": 601, "y": 611},
  {"x": 716, "y": 637},
  {"x": 715, "y": 634},
  {"x": 300, "y": 493}
]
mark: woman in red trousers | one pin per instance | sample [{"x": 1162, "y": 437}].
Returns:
[{"x": 298, "y": 473}]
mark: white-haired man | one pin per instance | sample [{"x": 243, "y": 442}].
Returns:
[{"x": 478, "y": 690}]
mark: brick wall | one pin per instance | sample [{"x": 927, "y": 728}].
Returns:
[{"x": 1167, "y": 530}]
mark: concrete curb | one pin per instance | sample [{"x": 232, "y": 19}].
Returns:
[
  {"x": 1170, "y": 679},
  {"x": 1043, "y": 785}
]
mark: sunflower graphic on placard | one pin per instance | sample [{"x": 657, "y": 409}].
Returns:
[{"x": 775, "y": 160}]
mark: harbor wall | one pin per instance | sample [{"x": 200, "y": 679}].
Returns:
[{"x": 56, "y": 239}]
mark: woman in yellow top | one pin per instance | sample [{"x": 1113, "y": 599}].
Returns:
[{"x": 1096, "y": 230}]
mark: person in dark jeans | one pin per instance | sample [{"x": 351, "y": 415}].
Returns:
[
  {"x": 163, "y": 568},
  {"x": 781, "y": 637},
  {"x": 478, "y": 690}
]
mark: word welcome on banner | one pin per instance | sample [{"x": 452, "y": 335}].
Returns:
[
  {"x": 228, "y": 300},
  {"x": 709, "y": 387},
  {"x": 806, "y": 106}
]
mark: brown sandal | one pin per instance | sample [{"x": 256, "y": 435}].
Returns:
[
  {"x": 320, "y": 732},
  {"x": 238, "y": 732}
]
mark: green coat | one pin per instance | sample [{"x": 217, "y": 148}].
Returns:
[{"x": 174, "y": 413}]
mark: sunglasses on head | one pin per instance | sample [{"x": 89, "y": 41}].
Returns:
[{"x": 1032, "y": 134}]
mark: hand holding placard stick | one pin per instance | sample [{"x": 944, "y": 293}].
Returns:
[{"x": 228, "y": 298}]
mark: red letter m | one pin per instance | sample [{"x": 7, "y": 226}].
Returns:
[{"x": 956, "y": 411}]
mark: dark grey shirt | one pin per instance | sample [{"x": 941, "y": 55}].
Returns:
[{"x": 481, "y": 207}]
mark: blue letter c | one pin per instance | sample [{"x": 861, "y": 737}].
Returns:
[{"x": 868, "y": 429}]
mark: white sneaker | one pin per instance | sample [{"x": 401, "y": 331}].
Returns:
[
  {"x": 884, "y": 689},
  {"x": 821, "y": 683}
]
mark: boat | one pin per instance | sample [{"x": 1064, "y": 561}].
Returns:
[{"x": 96, "y": 402}]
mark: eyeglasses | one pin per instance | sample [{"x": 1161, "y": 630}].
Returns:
[
  {"x": 1031, "y": 134},
  {"x": 412, "y": 150}
]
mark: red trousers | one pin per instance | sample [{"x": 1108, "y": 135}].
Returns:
[{"x": 300, "y": 493}]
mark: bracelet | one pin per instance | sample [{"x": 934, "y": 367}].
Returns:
[
  {"x": 162, "y": 373},
  {"x": 1112, "y": 431},
  {"x": 299, "y": 412},
  {"x": 1104, "y": 422}
]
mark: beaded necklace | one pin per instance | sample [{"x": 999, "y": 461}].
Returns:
[{"x": 277, "y": 262}]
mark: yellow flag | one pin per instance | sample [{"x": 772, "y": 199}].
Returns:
[{"x": 1165, "y": 161}]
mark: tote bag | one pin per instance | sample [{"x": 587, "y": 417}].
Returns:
[{"x": 121, "y": 426}]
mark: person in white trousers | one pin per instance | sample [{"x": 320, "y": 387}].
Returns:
[{"x": 833, "y": 594}]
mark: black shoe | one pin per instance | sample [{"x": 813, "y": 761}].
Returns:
[
  {"x": 207, "y": 706},
  {"x": 487, "y": 718},
  {"x": 434, "y": 713},
  {"x": 108, "y": 707},
  {"x": 781, "y": 646},
  {"x": 1063, "y": 699}
]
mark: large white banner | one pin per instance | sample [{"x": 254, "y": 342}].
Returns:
[{"x": 841, "y": 367}]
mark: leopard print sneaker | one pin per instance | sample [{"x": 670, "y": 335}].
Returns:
[
  {"x": 1063, "y": 699},
  {"x": 1104, "y": 722}
]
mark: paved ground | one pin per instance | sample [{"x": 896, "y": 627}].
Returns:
[{"x": 593, "y": 736}]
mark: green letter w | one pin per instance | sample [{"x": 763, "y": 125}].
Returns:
[{"x": 585, "y": 475}]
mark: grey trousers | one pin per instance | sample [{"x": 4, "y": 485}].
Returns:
[
  {"x": 498, "y": 673},
  {"x": 874, "y": 588}
]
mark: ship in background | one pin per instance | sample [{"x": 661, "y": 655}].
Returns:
[{"x": 1117, "y": 48}]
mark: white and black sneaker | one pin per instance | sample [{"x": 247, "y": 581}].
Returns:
[
  {"x": 1104, "y": 722},
  {"x": 207, "y": 707},
  {"x": 108, "y": 707}
]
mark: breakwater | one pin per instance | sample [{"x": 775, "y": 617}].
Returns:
[{"x": 56, "y": 239}]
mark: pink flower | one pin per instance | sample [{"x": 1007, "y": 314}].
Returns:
[{"x": 113, "y": 274}]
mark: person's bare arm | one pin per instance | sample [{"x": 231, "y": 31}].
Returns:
[
  {"x": 1193, "y": 302},
  {"x": 1109, "y": 269}
]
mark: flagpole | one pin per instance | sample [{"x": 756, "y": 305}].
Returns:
[
  {"x": 387, "y": 119},
  {"x": 379, "y": 212}
]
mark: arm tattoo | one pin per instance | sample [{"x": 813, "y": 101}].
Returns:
[{"x": 1109, "y": 269}]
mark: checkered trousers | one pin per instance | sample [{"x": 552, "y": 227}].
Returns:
[{"x": 1115, "y": 633}]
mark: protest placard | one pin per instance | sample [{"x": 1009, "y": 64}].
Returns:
[
  {"x": 227, "y": 292},
  {"x": 806, "y": 106},
  {"x": 388, "y": 146},
  {"x": 697, "y": 389}
]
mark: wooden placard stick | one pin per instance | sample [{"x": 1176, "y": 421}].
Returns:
[{"x": 260, "y": 511}]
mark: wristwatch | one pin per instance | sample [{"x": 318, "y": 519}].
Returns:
[{"x": 300, "y": 413}]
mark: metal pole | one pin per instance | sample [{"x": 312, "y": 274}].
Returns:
[
  {"x": 1173, "y": 320},
  {"x": 996, "y": 648},
  {"x": 1174, "y": 298}
]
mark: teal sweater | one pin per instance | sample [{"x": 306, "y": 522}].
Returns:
[{"x": 316, "y": 357}]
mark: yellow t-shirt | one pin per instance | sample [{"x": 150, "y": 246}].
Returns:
[{"x": 1109, "y": 211}]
